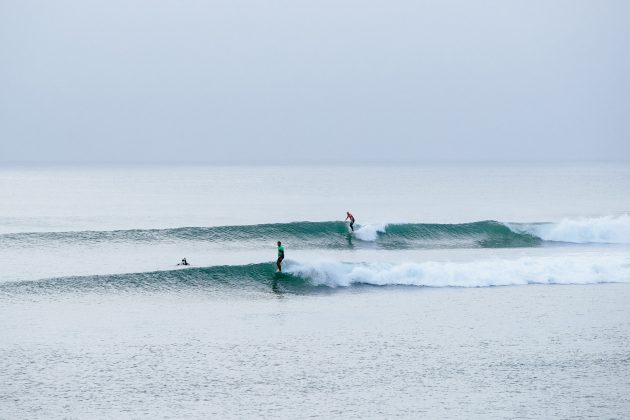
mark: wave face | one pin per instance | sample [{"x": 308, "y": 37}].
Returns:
[
  {"x": 237, "y": 275},
  {"x": 308, "y": 277},
  {"x": 304, "y": 235}
]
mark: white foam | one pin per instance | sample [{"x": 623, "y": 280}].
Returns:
[
  {"x": 606, "y": 229},
  {"x": 493, "y": 272},
  {"x": 370, "y": 232}
]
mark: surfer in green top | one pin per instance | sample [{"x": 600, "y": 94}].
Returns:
[{"x": 280, "y": 256}]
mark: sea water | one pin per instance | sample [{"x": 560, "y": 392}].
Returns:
[{"x": 468, "y": 290}]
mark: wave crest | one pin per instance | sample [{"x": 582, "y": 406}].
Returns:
[{"x": 605, "y": 229}]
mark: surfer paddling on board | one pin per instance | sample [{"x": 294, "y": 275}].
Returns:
[
  {"x": 351, "y": 217},
  {"x": 280, "y": 256}
]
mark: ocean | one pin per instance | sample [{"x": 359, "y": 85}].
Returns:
[{"x": 468, "y": 290}]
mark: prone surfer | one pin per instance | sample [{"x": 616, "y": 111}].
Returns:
[
  {"x": 184, "y": 262},
  {"x": 280, "y": 256},
  {"x": 351, "y": 217}
]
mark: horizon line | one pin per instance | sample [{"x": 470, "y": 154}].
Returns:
[{"x": 301, "y": 163}]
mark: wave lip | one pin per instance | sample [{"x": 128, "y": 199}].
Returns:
[{"x": 605, "y": 229}]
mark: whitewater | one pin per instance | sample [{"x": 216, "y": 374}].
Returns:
[{"x": 460, "y": 285}]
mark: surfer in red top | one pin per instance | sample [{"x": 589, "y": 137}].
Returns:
[{"x": 351, "y": 217}]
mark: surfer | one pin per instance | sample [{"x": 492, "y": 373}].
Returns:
[
  {"x": 184, "y": 262},
  {"x": 351, "y": 217},
  {"x": 280, "y": 256}
]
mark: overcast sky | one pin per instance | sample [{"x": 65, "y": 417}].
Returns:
[{"x": 314, "y": 81}]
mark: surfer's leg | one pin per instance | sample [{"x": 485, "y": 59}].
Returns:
[{"x": 352, "y": 226}]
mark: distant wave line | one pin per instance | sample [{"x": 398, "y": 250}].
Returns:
[{"x": 336, "y": 234}]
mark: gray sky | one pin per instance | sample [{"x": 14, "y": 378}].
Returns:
[{"x": 314, "y": 81}]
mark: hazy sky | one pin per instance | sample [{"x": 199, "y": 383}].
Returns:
[{"x": 310, "y": 81}]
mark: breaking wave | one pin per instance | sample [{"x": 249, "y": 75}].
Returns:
[
  {"x": 606, "y": 229},
  {"x": 306, "y": 277}
]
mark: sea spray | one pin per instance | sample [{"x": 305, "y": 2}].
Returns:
[{"x": 370, "y": 232}]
